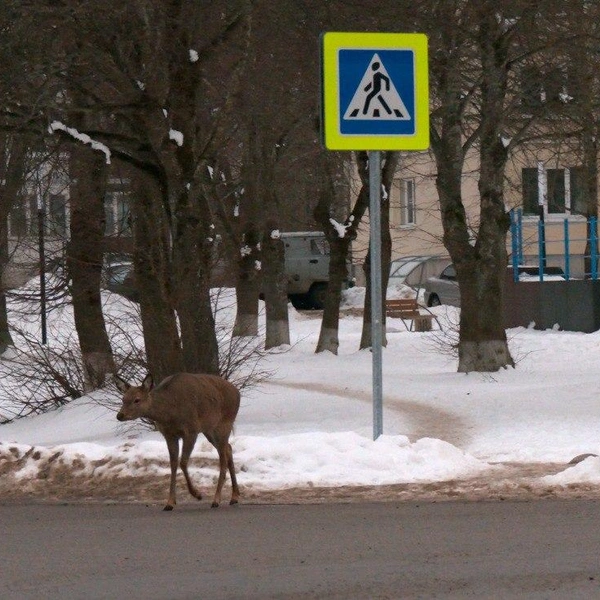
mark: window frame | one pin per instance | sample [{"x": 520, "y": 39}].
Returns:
[
  {"x": 117, "y": 212},
  {"x": 403, "y": 208},
  {"x": 560, "y": 186}
]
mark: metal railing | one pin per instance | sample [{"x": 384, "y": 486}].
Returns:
[{"x": 571, "y": 244}]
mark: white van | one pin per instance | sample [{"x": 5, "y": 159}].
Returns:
[{"x": 307, "y": 268}]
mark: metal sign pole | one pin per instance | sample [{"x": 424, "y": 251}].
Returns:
[
  {"x": 376, "y": 291},
  {"x": 375, "y": 97}
]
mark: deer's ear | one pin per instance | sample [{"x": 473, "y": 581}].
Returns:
[
  {"x": 148, "y": 382},
  {"x": 121, "y": 384}
]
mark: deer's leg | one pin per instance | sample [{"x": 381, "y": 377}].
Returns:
[
  {"x": 235, "y": 492},
  {"x": 220, "y": 443},
  {"x": 189, "y": 441},
  {"x": 173, "y": 446}
]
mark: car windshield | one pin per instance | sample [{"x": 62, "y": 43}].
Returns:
[
  {"x": 118, "y": 273},
  {"x": 404, "y": 268},
  {"x": 320, "y": 247},
  {"x": 448, "y": 273}
]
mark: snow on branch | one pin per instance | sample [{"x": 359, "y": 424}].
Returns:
[
  {"x": 81, "y": 137},
  {"x": 340, "y": 228},
  {"x": 176, "y": 136}
]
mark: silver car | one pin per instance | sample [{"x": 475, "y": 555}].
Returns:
[
  {"x": 443, "y": 289},
  {"x": 413, "y": 271}
]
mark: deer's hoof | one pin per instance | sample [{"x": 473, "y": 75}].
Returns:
[
  {"x": 232, "y": 501},
  {"x": 214, "y": 505},
  {"x": 169, "y": 507}
]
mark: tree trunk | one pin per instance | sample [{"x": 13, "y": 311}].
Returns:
[
  {"x": 248, "y": 280},
  {"x": 481, "y": 269},
  {"x": 84, "y": 261},
  {"x": 480, "y": 264},
  {"x": 6, "y": 339},
  {"x": 275, "y": 289},
  {"x": 246, "y": 316},
  {"x": 482, "y": 341},
  {"x": 390, "y": 164},
  {"x": 338, "y": 273},
  {"x": 13, "y": 152},
  {"x": 267, "y": 249},
  {"x": 247, "y": 285},
  {"x": 584, "y": 78},
  {"x": 152, "y": 275},
  {"x": 339, "y": 251},
  {"x": 482, "y": 344},
  {"x": 192, "y": 293},
  {"x": 249, "y": 251}
]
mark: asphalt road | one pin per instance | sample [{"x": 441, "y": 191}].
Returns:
[{"x": 543, "y": 549}]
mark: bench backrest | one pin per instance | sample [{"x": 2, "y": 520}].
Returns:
[{"x": 408, "y": 304}]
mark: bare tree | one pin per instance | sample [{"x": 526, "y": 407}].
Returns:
[
  {"x": 475, "y": 47},
  {"x": 13, "y": 167},
  {"x": 155, "y": 76},
  {"x": 581, "y": 108},
  {"x": 340, "y": 227},
  {"x": 84, "y": 260},
  {"x": 276, "y": 122}
]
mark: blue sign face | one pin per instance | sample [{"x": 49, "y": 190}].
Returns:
[{"x": 377, "y": 92}]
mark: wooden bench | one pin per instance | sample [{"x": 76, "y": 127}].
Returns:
[{"x": 408, "y": 309}]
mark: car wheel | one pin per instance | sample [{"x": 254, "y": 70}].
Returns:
[
  {"x": 434, "y": 300},
  {"x": 299, "y": 301},
  {"x": 317, "y": 295}
]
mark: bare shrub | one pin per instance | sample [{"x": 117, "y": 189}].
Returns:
[
  {"x": 446, "y": 341},
  {"x": 36, "y": 378}
]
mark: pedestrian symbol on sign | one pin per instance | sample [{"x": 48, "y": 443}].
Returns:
[{"x": 376, "y": 97}]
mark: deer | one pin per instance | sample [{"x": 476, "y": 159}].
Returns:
[{"x": 182, "y": 406}]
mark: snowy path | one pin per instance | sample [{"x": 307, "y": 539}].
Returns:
[{"x": 421, "y": 420}]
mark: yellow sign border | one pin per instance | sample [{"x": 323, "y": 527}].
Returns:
[{"x": 332, "y": 42}]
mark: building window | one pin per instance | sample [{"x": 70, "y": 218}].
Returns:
[
  {"x": 407, "y": 202},
  {"x": 117, "y": 213},
  {"x": 556, "y": 190},
  {"x": 56, "y": 216},
  {"x": 530, "y": 191},
  {"x": 578, "y": 191},
  {"x": 402, "y": 206},
  {"x": 564, "y": 190}
]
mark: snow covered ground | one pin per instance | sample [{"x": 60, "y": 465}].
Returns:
[{"x": 310, "y": 425}]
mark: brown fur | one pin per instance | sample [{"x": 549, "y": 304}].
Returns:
[{"x": 183, "y": 406}]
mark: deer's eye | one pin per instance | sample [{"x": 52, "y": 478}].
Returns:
[{"x": 136, "y": 401}]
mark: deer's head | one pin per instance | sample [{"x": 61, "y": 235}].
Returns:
[{"x": 136, "y": 399}]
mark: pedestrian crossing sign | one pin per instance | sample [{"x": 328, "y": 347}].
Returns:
[{"x": 375, "y": 91}]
